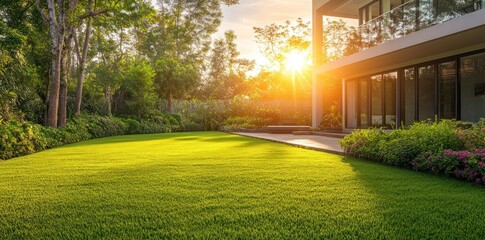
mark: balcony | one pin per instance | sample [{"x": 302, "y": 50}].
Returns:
[{"x": 403, "y": 20}]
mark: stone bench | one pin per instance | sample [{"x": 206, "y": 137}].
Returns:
[{"x": 287, "y": 128}]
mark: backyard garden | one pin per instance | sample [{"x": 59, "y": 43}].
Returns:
[
  {"x": 118, "y": 120},
  {"x": 226, "y": 186}
]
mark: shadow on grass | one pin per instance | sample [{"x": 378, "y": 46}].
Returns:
[
  {"x": 139, "y": 138},
  {"x": 420, "y": 205},
  {"x": 210, "y": 137},
  {"x": 231, "y": 138}
]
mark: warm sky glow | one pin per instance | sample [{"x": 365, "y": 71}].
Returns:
[
  {"x": 259, "y": 13},
  {"x": 296, "y": 60}
]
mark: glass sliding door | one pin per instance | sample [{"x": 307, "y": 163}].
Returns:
[
  {"x": 376, "y": 100},
  {"x": 390, "y": 80},
  {"x": 408, "y": 97},
  {"x": 447, "y": 80},
  {"x": 427, "y": 92},
  {"x": 351, "y": 104},
  {"x": 473, "y": 87},
  {"x": 364, "y": 102}
]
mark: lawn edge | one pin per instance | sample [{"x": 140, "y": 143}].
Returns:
[{"x": 293, "y": 144}]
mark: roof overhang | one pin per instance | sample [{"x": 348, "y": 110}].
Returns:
[{"x": 339, "y": 8}]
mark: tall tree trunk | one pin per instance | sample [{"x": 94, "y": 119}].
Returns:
[
  {"x": 65, "y": 73},
  {"x": 54, "y": 88},
  {"x": 62, "y": 114},
  {"x": 169, "y": 101},
  {"x": 55, "y": 18},
  {"x": 107, "y": 94},
  {"x": 82, "y": 67}
]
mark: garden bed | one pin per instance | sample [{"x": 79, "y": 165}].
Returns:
[{"x": 448, "y": 148}]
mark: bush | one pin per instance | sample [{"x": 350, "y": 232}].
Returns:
[
  {"x": 332, "y": 119},
  {"x": 446, "y": 147},
  {"x": 21, "y": 138},
  {"x": 400, "y": 147},
  {"x": 473, "y": 137},
  {"x": 364, "y": 143},
  {"x": 18, "y": 139},
  {"x": 468, "y": 165}
]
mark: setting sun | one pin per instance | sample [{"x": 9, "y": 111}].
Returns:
[{"x": 296, "y": 60}]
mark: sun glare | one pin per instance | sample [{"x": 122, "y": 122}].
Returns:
[{"x": 296, "y": 60}]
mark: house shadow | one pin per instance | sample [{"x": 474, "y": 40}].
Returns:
[{"x": 409, "y": 201}]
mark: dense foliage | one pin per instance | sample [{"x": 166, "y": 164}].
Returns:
[
  {"x": 138, "y": 57},
  {"x": 21, "y": 138},
  {"x": 446, "y": 147}
]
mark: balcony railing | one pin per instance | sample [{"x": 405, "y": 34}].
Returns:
[{"x": 410, "y": 17}]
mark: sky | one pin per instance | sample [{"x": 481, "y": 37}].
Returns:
[{"x": 247, "y": 14}]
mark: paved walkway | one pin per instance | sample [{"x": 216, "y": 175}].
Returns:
[{"x": 319, "y": 143}]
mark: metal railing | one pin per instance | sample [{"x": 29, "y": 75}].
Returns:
[{"x": 401, "y": 21}]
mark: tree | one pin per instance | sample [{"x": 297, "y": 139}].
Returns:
[
  {"x": 22, "y": 57},
  {"x": 277, "y": 42},
  {"x": 122, "y": 15},
  {"x": 63, "y": 17},
  {"x": 107, "y": 70},
  {"x": 227, "y": 75},
  {"x": 138, "y": 88},
  {"x": 176, "y": 41},
  {"x": 174, "y": 78},
  {"x": 56, "y": 16},
  {"x": 338, "y": 40}
]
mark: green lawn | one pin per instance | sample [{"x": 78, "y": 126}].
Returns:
[{"x": 216, "y": 185}]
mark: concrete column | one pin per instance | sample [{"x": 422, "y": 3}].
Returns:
[
  {"x": 344, "y": 104},
  {"x": 317, "y": 91},
  {"x": 317, "y": 41},
  {"x": 317, "y": 101}
]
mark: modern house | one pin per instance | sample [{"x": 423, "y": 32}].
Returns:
[{"x": 409, "y": 61}]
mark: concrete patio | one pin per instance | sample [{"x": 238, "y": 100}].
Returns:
[{"x": 315, "y": 142}]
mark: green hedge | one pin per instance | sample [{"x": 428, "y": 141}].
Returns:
[
  {"x": 425, "y": 146},
  {"x": 21, "y": 138},
  {"x": 399, "y": 147}
]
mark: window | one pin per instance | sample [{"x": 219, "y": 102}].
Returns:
[
  {"x": 390, "y": 80},
  {"x": 447, "y": 81},
  {"x": 364, "y": 102},
  {"x": 351, "y": 104},
  {"x": 473, "y": 87},
  {"x": 408, "y": 101},
  {"x": 376, "y": 100},
  {"x": 440, "y": 89},
  {"x": 426, "y": 92}
]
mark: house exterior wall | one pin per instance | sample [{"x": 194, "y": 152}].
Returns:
[{"x": 455, "y": 39}]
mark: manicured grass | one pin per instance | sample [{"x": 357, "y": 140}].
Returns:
[{"x": 216, "y": 185}]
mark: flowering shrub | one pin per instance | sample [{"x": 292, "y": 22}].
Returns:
[
  {"x": 473, "y": 138},
  {"x": 400, "y": 147},
  {"x": 468, "y": 165},
  {"x": 450, "y": 148}
]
